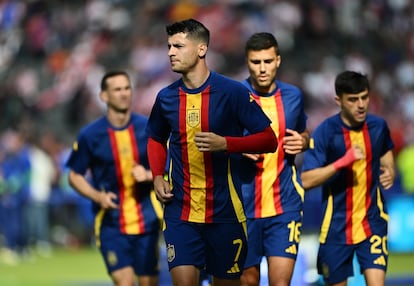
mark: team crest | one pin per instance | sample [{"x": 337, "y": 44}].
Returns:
[
  {"x": 170, "y": 253},
  {"x": 325, "y": 270},
  {"x": 251, "y": 98},
  {"x": 112, "y": 258},
  {"x": 75, "y": 146},
  {"x": 193, "y": 117}
]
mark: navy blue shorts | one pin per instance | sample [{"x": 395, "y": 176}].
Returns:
[
  {"x": 220, "y": 248},
  {"x": 335, "y": 260},
  {"x": 273, "y": 236},
  {"x": 141, "y": 252}
]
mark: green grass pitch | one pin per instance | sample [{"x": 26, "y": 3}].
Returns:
[{"x": 84, "y": 267}]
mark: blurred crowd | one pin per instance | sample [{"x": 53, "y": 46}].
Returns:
[{"x": 53, "y": 54}]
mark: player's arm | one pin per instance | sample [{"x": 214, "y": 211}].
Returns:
[
  {"x": 141, "y": 175},
  {"x": 261, "y": 142},
  {"x": 387, "y": 170},
  {"x": 295, "y": 142},
  {"x": 315, "y": 177},
  {"x": 157, "y": 157},
  {"x": 102, "y": 197}
]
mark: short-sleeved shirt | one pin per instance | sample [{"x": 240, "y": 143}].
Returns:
[
  {"x": 352, "y": 200},
  {"x": 109, "y": 154},
  {"x": 275, "y": 186},
  {"x": 206, "y": 185}
]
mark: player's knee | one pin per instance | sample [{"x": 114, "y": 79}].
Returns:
[{"x": 250, "y": 277}]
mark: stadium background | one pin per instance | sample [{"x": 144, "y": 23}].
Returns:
[{"x": 53, "y": 54}]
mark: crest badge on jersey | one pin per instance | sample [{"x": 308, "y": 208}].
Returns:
[
  {"x": 170, "y": 252},
  {"x": 251, "y": 98},
  {"x": 193, "y": 117},
  {"x": 112, "y": 258},
  {"x": 75, "y": 146}
]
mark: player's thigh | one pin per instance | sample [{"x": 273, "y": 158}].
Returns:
[
  {"x": 185, "y": 243},
  {"x": 123, "y": 276},
  {"x": 250, "y": 276},
  {"x": 372, "y": 253},
  {"x": 115, "y": 249},
  {"x": 281, "y": 235},
  {"x": 185, "y": 275},
  {"x": 335, "y": 262},
  {"x": 226, "y": 249},
  {"x": 148, "y": 280},
  {"x": 372, "y": 256},
  {"x": 280, "y": 270},
  {"x": 225, "y": 282},
  {"x": 374, "y": 277},
  {"x": 145, "y": 252},
  {"x": 254, "y": 242}
]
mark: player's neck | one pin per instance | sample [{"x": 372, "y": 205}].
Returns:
[
  {"x": 196, "y": 77},
  {"x": 118, "y": 119}
]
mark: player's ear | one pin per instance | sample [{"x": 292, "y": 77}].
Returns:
[
  {"x": 202, "y": 50},
  {"x": 338, "y": 100},
  {"x": 104, "y": 96}
]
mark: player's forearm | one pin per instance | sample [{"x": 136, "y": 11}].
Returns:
[
  {"x": 387, "y": 161},
  {"x": 82, "y": 186},
  {"x": 387, "y": 170},
  {"x": 305, "y": 137},
  {"x": 316, "y": 177},
  {"x": 261, "y": 142},
  {"x": 157, "y": 157}
]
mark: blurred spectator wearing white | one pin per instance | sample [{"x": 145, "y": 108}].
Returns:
[{"x": 42, "y": 176}]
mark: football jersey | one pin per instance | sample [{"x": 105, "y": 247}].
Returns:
[
  {"x": 206, "y": 185},
  {"x": 353, "y": 204},
  {"x": 109, "y": 154},
  {"x": 275, "y": 187}
]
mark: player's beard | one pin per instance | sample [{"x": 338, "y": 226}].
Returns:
[{"x": 119, "y": 109}]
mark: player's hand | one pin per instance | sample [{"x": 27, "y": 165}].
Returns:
[
  {"x": 210, "y": 142},
  {"x": 106, "y": 200},
  {"x": 141, "y": 174},
  {"x": 253, "y": 157},
  {"x": 386, "y": 177},
  {"x": 162, "y": 189},
  {"x": 352, "y": 154},
  {"x": 293, "y": 142},
  {"x": 358, "y": 153}
]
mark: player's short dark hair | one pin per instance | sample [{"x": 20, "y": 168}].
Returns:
[
  {"x": 104, "y": 84},
  {"x": 350, "y": 82},
  {"x": 261, "y": 41},
  {"x": 193, "y": 28}
]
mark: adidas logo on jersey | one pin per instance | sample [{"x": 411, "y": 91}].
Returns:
[
  {"x": 380, "y": 261},
  {"x": 234, "y": 269},
  {"x": 291, "y": 249}
]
